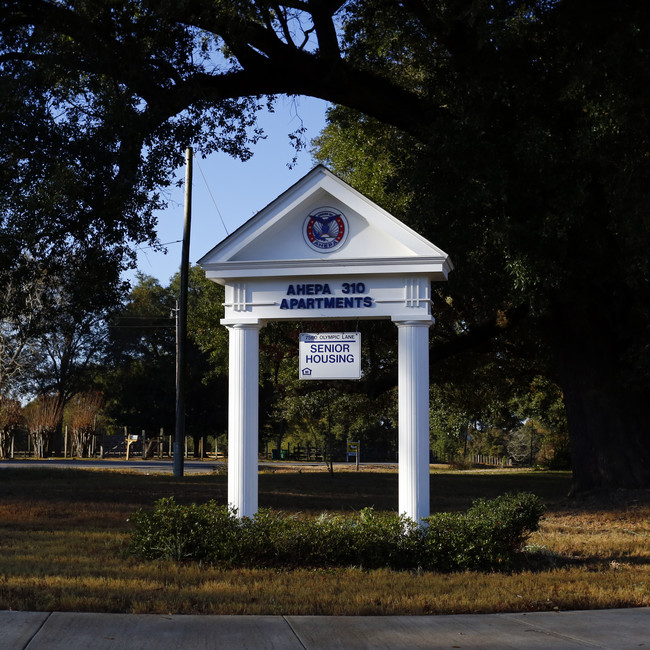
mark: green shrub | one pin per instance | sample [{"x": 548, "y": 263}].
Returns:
[
  {"x": 380, "y": 539},
  {"x": 194, "y": 532},
  {"x": 487, "y": 536}
]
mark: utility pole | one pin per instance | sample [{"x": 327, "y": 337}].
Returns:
[{"x": 181, "y": 323}]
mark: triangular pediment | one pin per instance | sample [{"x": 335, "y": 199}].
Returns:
[{"x": 287, "y": 238}]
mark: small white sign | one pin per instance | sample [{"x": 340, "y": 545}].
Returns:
[{"x": 330, "y": 355}]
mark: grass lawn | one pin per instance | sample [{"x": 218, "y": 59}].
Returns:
[{"x": 64, "y": 533}]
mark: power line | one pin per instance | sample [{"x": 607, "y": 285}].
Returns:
[{"x": 210, "y": 193}]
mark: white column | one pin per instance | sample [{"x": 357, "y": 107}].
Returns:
[
  {"x": 243, "y": 417},
  {"x": 413, "y": 422}
]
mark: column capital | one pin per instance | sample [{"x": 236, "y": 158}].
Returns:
[
  {"x": 415, "y": 323},
  {"x": 244, "y": 325}
]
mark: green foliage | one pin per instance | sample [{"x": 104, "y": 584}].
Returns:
[
  {"x": 178, "y": 532},
  {"x": 517, "y": 140},
  {"x": 204, "y": 313},
  {"x": 319, "y": 413},
  {"x": 488, "y": 536},
  {"x": 90, "y": 145},
  {"x": 531, "y": 173},
  {"x": 541, "y": 404},
  {"x": 138, "y": 376}
]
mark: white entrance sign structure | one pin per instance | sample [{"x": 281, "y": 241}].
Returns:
[
  {"x": 323, "y": 251},
  {"x": 330, "y": 355}
]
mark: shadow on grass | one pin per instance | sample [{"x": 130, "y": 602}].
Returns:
[
  {"x": 449, "y": 492},
  {"x": 288, "y": 491},
  {"x": 541, "y": 561}
]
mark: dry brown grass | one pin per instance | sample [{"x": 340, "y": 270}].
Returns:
[{"x": 63, "y": 537}]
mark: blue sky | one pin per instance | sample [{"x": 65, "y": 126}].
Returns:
[{"x": 239, "y": 189}]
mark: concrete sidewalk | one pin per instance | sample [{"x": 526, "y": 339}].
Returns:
[{"x": 618, "y": 628}]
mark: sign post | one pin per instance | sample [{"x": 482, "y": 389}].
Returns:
[
  {"x": 354, "y": 449},
  {"x": 130, "y": 439},
  {"x": 319, "y": 252}
]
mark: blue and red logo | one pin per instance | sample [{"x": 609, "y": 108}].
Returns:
[{"x": 325, "y": 229}]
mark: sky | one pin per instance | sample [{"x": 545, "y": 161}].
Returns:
[{"x": 239, "y": 189}]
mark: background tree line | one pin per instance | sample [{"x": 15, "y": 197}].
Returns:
[{"x": 123, "y": 375}]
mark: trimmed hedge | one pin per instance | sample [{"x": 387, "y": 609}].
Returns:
[{"x": 487, "y": 536}]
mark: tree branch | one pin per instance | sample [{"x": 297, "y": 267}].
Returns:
[
  {"x": 270, "y": 66},
  {"x": 323, "y": 18}
]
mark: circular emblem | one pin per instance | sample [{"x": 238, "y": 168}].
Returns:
[{"x": 325, "y": 229}]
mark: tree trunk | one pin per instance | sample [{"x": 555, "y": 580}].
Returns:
[
  {"x": 196, "y": 439},
  {"x": 608, "y": 412}
]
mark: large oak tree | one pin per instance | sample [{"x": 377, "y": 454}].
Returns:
[{"x": 532, "y": 116}]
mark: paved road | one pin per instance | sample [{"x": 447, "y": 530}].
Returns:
[
  {"x": 614, "y": 629},
  {"x": 137, "y": 465},
  {"x": 160, "y": 466}
]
